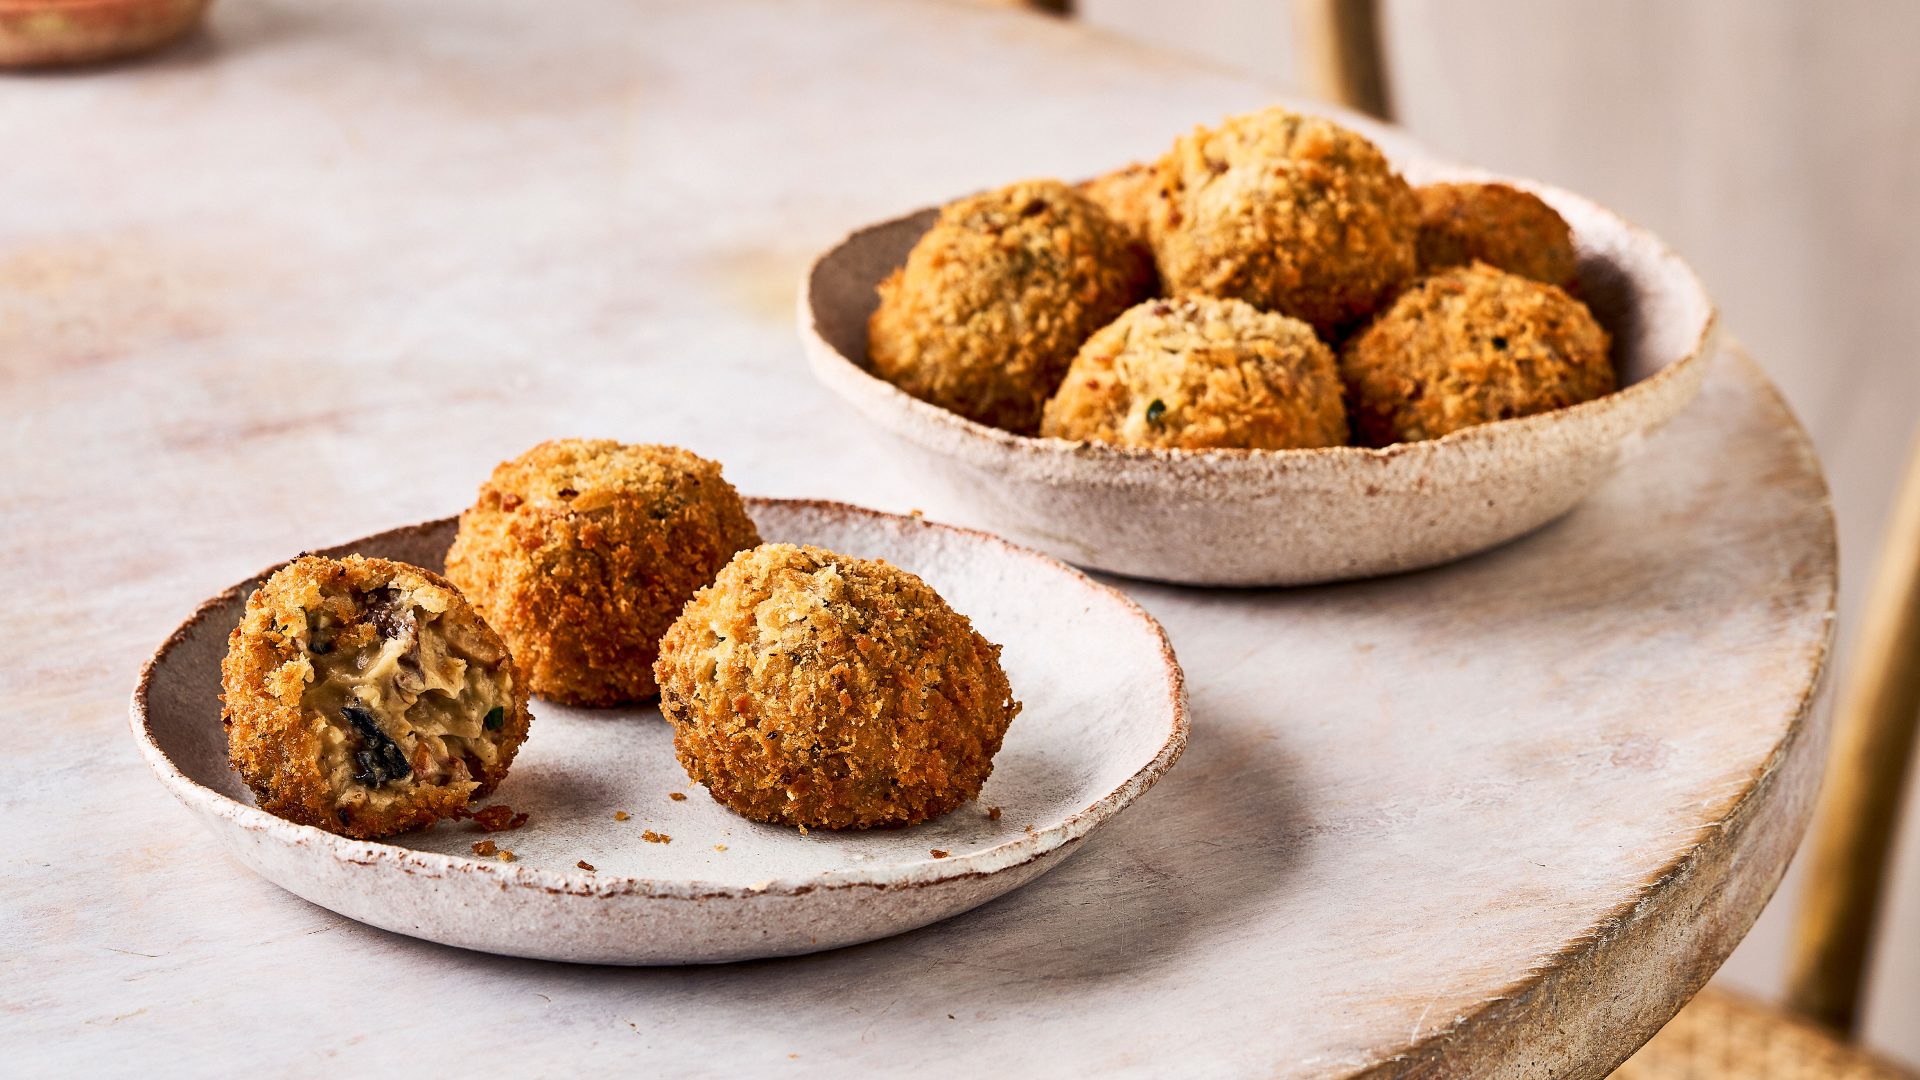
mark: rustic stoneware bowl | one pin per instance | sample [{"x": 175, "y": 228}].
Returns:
[
  {"x": 1105, "y": 716},
  {"x": 44, "y": 33},
  {"x": 1286, "y": 517}
]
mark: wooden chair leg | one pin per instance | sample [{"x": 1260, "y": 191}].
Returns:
[
  {"x": 1046, "y": 7},
  {"x": 1341, "y": 53},
  {"x": 1878, "y": 713}
]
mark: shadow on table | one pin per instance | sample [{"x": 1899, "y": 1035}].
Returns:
[
  {"x": 1220, "y": 833},
  {"x": 1223, "y": 830}
]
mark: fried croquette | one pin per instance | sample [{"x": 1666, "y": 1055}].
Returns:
[
  {"x": 1126, "y": 195},
  {"x": 582, "y": 551},
  {"x": 815, "y": 689},
  {"x": 1290, "y": 213},
  {"x": 986, "y": 314},
  {"x": 1468, "y": 346},
  {"x": 1201, "y": 373},
  {"x": 366, "y": 697},
  {"x": 1501, "y": 226}
]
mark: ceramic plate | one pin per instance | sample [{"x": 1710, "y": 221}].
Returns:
[
  {"x": 43, "y": 33},
  {"x": 1287, "y": 517},
  {"x": 1105, "y": 716}
]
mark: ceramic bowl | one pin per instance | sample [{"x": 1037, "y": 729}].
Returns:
[
  {"x": 1104, "y": 717},
  {"x": 1286, "y": 517},
  {"x": 41, "y": 33}
]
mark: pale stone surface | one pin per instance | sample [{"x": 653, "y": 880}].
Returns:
[{"x": 308, "y": 278}]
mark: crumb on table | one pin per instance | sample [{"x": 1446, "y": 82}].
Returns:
[
  {"x": 584, "y": 865},
  {"x": 485, "y": 847},
  {"x": 621, "y": 815},
  {"x": 506, "y": 854},
  {"x": 498, "y": 818},
  {"x": 652, "y": 837},
  {"x": 993, "y": 813},
  {"x": 719, "y": 847},
  {"x": 677, "y": 796},
  {"x": 938, "y": 854}
]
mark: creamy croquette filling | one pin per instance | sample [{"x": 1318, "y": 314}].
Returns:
[{"x": 399, "y": 696}]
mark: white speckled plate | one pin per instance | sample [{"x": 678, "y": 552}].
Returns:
[
  {"x": 1287, "y": 517},
  {"x": 1105, "y": 716}
]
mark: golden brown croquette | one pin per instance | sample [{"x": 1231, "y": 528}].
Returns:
[
  {"x": 1201, "y": 373},
  {"x": 1501, "y": 226},
  {"x": 1290, "y": 213},
  {"x": 1468, "y": 346},
  {"x": 815, "y": 689},
  {"x": 366, "y": 697},
  {"x": 1127, "y": 195},
  {"x": 582, "y": 551},
  {"x": 994, "y": 299}
]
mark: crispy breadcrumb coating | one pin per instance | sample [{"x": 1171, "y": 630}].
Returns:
[
  {"x": 1127, "y": 195},
  {"x": 1501, "y": 226},
  {"x": 815, "y": 689},
  {"x": 1290, "y": 213},
  {"x": 366, "y": 697},
  {"x": 1201, "y": 373},
  {"x": 1468, "y": 346},
  {"x": 994, "y": 299},
  {"x": 582, "y": 551}
]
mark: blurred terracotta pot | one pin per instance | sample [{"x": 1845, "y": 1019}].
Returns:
[{"x": 39, "y": 33}]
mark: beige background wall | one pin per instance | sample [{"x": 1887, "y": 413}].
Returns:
[{"x": 1775, "y": 143}]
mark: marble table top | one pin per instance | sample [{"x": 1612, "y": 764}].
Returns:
[{"x": 310, "y": 275}]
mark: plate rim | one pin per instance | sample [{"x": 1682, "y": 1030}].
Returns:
[{"x": 1020, "y": 850}]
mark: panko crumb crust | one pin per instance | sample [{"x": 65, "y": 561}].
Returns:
[
  {"x": 1127, "y": 195},
  {"x": 1202, "y": 373},
  {"x": 815, "y": 689},
  {"x": 1290, "y": 213},
  {"x": 295, "y": 757},
  {"x": 1496, "y": 224},
  {"x": 581, "y": 552},
  {"x": 1468, "y": 346},
  {"x": 994, "y": 300}
]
